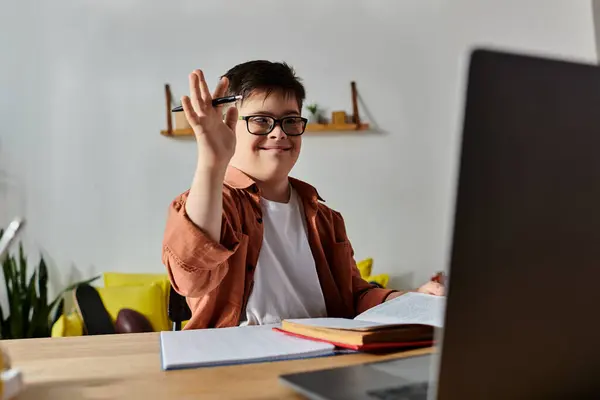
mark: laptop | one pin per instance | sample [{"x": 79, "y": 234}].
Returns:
[{"x": 523, "y": 301}]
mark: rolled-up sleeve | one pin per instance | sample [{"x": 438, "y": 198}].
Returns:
[{"x": 196, "y": 263}]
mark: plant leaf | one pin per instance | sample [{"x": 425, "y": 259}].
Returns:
[
  {"x": 43, "y": 282},
  {"x": 14, "y": 273},
  {"x": 15, "y": 303},
  {"x": 2, "y": 317},
  {"x": 4, "y": 323},
  {"x": 85, "y": 282},
  {"x": 23, "y": 265},
  {"x": 60, "y": 309},
  {"x": 34, "y": 317},
  {"x": 4, "y": 327},
  {"x": 6, "y": 269},
  {"x": 40, "y": 319},
  {"x": 29, "y": 303}
]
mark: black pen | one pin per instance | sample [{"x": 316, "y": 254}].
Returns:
[{"x": 215, "y": 102}]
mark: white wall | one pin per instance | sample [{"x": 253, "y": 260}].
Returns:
[
  {"x": 82, "y": 105},
  {"x": 596, "y": 18}
]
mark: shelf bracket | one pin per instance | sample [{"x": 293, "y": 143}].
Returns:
[
  {"x": 355, "y": 115},
  {"x": 169, "y": 116}
]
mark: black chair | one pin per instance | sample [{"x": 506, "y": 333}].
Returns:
[{"x": 178, "y": 309}]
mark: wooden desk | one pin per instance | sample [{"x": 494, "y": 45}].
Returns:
[{"x": 128, "y": 367}]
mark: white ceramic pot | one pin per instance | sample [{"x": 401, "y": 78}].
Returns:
[{"x": 313, "y": 118}]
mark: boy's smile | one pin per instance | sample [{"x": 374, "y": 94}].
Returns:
[{"x": 275, "y": 148}]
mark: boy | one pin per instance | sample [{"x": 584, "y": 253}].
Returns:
[{"x": 247, "y": 244}]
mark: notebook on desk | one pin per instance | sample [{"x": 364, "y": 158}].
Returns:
[{"x": 237, "y": 345}]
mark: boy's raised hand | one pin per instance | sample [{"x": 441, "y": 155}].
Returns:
[{"x": 215, "y": 137}]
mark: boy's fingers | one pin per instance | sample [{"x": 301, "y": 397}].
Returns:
[
  {"x": 196, "y": 97},
  {"x": 231, "y": 118},
  {"x": 221, "y": 88},
  {"x": 437, "y": 289},
  {"x": 432, "y": 288},
  {"x": 220, "y": 91},
  {"x": 204, "y": 91},
  {"x": 188, "y": 109}
]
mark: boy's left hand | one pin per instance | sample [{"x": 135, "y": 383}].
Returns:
[
  {"x": 434, "y": 287},
  {"x": 431, "y": 287}
]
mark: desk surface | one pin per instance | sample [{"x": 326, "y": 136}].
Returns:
[{"x": 128, "y": 366}]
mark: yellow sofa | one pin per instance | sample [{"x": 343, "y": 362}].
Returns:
[{"x": 366, "y": 268}]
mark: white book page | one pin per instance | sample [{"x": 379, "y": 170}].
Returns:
[
  {"x": 337, "y": 323},
  {"x": 410, "y": 308},
  {"x": 224, "y": 346}
]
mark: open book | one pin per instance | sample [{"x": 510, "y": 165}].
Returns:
[{"x": 408, "y": 320}]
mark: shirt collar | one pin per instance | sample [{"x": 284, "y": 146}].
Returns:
[{"x": 239, "y": 180}]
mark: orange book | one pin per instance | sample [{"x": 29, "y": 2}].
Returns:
[
  {"x": 363, "y": 347},
  {"x": 407, "y": 320}
]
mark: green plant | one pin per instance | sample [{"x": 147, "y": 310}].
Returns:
[
  {"x": 313, "y": 108},
  {"x": 28, "y": 308}
]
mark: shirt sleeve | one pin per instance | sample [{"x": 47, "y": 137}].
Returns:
[{"x": 197, "y": 264}]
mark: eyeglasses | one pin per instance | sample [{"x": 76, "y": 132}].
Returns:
[{"x": 263, "y": 124}]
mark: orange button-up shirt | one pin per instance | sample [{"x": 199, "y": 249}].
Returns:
[{"x": 217, "y": 278}]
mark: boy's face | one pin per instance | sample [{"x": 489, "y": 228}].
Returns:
[{"x": 272, "y": 156}]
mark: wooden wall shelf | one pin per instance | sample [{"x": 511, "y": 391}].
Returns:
[
  {"x": 356, "y": 125},
  {"x": 178, "y": 132},
  {"x": 336, "y": 127}
]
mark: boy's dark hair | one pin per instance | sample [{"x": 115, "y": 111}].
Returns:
[{"x": 265, "y": 76}]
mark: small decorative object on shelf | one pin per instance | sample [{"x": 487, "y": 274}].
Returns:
[
  {"x": 338, "y": 117},
  {"x": 314, "y": 116},
  {"x": 181, "y": 121}
]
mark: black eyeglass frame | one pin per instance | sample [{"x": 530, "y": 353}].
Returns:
[{"x": 275, "y": 123}]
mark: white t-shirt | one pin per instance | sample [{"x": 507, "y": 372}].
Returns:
[{"x": 286, "y": 284}]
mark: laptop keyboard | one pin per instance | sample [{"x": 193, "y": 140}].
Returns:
[{"x": 410, "y": 391}]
